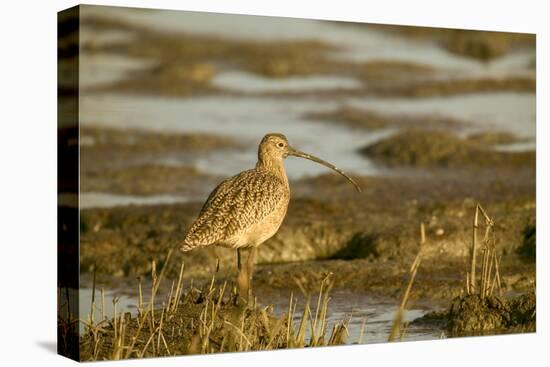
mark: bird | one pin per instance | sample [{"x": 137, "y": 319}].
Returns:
[{"x": 247, "y": 209}]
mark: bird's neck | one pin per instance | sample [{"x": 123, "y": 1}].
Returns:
[{"x": 275, "y": 166}]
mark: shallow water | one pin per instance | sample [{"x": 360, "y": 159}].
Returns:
[
  {"x": 378, "y": 312},
  {"x": 248, "y": 82},
  {"x": 246, "y": 118},
  {"x": 356, "y": 42},
  {"x": 100, "y": 69},
  {"x": 501, "y": 111},
  {"x": 103, "y": 199},
  {"x": 249, "y": 117}
]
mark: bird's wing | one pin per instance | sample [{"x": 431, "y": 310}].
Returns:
[{"x": 235, "y": 205}]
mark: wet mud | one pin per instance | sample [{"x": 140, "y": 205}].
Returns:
[
  {"x": 424, "y": 148},
  {"x": 475, "y": 315},
  {"x": 359, "y": 118},
  {"x": 135, "y": 162},
  {"x": 186, "y": 64},
  {"x": 367, "y": 242},
  {"x": 479, "y": 45}
]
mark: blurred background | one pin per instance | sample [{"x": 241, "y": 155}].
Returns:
[{"x": 332, "y": 88}]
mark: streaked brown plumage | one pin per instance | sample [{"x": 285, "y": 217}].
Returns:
[
  {"x": 235, "y": 206},
  {"x": 247, "y": 209}
]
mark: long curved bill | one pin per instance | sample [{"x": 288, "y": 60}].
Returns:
[{"x": 297, "y": 153}]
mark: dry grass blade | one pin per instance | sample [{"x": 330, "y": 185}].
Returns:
[
  {"x": 300, "y": 337},
  {"x": 474, "y": 250},
  {"x": 489, "y": 278},
  {"x": 291, "y": 308},
  {"x": 178, "y": 288},
  {"x": 203, "y": 321},
  {"x": 362, "y": 331},
  {"x": 102, "y": 304},
  {"x": 400, "y": 314}
]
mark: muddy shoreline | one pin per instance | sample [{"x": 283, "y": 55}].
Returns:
[{"x": 366, "y": 241}]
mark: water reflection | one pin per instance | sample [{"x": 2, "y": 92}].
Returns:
[{"x": 378, "y": 312}]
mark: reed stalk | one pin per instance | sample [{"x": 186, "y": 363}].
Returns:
[
  {"x": 216, "y": 328},
  {"x": 474, "y": 250},
  {"x": 489, "y": 279},
  {"x": 400, "y": 314}
]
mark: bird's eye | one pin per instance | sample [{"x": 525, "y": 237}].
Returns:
[{"x": 280, "y": 145}]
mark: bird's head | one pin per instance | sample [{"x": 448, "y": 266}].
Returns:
[{"x": 275, "y": 146}]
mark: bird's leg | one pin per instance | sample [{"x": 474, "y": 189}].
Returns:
[
  {"x": 239, "y": 259},
  {"x": 250, "y": 272},
  {"x": 242, "y": 277}
]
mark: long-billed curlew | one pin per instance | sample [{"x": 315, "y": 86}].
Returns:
[{"x": 248, "y": 208}]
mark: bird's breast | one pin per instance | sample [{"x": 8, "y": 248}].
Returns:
[{"x": 263, "y": 230}]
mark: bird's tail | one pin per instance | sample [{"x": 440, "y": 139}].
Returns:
[{"x": 186, "y": 246}]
